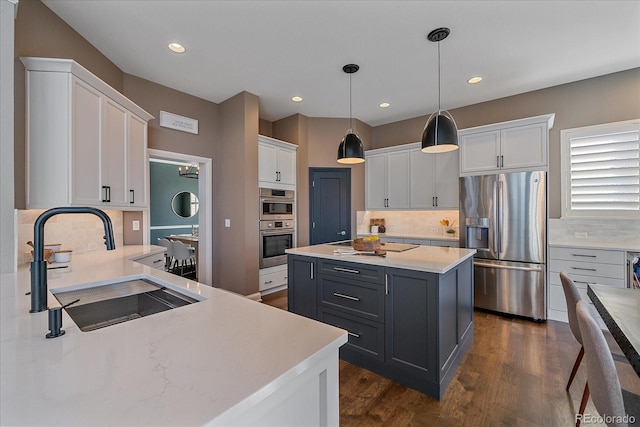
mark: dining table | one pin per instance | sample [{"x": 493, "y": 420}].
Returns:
[{"x": 620, "y": 311}]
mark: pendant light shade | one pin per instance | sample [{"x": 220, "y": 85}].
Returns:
[
  {"x": 440, "y": 133},
  {"x": 350, "y": 150}
]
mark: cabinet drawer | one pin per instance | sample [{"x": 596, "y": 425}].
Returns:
[
  {"x": 270, "y": 280},
  {"x": 581, "y": 280},
  {"x": 416, "y": 241},
  {"x": 587, "y": 268},
  {"x": 153, "y": 260},
  {"x": 446, "y": 243},
  {"x": 353, "y": 296},
  {"x": 364, "y": 336},
  {"x": 587, "y": 255},
  {"x": 351, "y": 270}
]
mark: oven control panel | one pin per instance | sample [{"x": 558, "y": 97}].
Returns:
[{"x": 276, "y": 225}]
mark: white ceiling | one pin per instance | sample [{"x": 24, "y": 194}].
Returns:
[{"x": 278, "y": 49}]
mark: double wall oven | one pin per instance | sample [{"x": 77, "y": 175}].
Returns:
[{"x": 277, "y": 225}]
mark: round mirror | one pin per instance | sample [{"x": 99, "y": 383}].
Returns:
[{"x": 185, "y": 204}]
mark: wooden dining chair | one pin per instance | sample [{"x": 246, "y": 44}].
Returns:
[{"x": 602, "y": 378}]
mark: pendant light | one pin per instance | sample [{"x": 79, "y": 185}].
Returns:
[
  {"x": 350, "y": 150},
  {"x": 440, "y": 134}
]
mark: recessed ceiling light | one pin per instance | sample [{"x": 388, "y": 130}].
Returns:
[
  {"x": 474, "y": 80},
  {"x": 385, "y": 105},
  {"x": 176, "y": 47},
  {"x": 296, "y": 99}
]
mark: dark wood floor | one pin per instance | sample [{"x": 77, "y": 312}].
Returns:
[{"x": 513, "y": 375}]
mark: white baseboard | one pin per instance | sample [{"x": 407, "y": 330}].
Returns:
[{"x": 255, "y": 297}]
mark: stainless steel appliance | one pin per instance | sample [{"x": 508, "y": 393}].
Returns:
[
  {"x": 276, "y": 204},
  {"x": 275, "y": 238},
  {"x": 504, "y": 217}
]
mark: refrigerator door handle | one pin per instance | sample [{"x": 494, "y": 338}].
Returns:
[
  {"x": 500, "y": 216},
  {"x": 496, "y": 223},
  {"x": 507, "y": 267}
]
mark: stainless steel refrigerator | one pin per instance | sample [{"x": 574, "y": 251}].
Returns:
[{"x": 504, "y": 217}]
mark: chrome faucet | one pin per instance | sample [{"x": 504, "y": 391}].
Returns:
[{"x": 39, "y": 264}]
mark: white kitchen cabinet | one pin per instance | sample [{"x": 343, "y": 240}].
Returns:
[
  {"x": 513, "y": 146},
  {"x": 86, "y": 142},
  {"x": 276, "y": 163},
  {"x": 433, "y": 179},
  {"x": 387, "y": 179},
  {"x": 584, "y": 266},
  {"x": 272, "y": 279}
]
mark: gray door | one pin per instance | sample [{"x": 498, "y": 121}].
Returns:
[{"x": 330, "y": 205}]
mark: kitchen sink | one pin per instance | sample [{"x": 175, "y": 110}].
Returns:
[{"x": 103, "y": 305}]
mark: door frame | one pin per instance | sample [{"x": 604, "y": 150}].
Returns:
[
  {"x": 321, "y": 169},
  {"x": 205, "y": 212}
]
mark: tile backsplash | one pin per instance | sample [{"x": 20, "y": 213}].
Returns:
[
  {"x": 78, "y": 232},
  {"x": 614, "y": 231},
  {"x": 415, "y": 223}
]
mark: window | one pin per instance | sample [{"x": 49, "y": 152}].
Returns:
[{"x": 601, "y": 171}]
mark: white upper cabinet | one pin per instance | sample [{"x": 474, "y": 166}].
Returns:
[
  {"x": 403, "y": 177},
  {"x": 86, "y": 142},
  {"x": 433, "y": 179},
  {"x": 518, "y": 145},
  {"x": 276, "y": 163},
  {"x": 387, "y": 179}
]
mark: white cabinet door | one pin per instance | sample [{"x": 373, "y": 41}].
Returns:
[
  {"x": 137, "y": 156},
  {"x": 421, "y": 177},
  {"x": 376, "y": 181},
  {"x": 286, "y": 166},
  {"x": 86, "y": 119},
  {"x": 398, "y": 179},
  {"x": 480, "y": 152},
  {"x": 267, "y": 162},
  {"x": 523, "y": 147},
  {"x": 446, "y": 182},
  {"x": 114, "y": 153}
]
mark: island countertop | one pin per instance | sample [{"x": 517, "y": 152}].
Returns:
[
  {"x": 194, "y": 365},
  {"x": 432, "y": 259}
]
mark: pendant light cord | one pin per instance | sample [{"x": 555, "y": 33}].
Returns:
[
  {"x": 438, "y": 77},
  {"x": 350, "y": 127}
]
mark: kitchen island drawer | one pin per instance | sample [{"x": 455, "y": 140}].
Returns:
[
  {"x": 356, "y": 297},
  {"x": 586, "y": 255},
  {"x": 365, "y": 337},
  {"x": 351, "y": 270},
  {"x": 155, "y": 260}
]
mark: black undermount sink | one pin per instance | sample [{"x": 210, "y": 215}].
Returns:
[{"x": 105, "y": 305}]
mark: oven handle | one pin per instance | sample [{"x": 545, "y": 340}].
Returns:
[
  {"x": 276, "y": 232},
  {"x": 271, "y": 200}
]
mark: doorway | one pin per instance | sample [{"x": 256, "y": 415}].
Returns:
[
  {"x": 205, "y": 210},
  {"x": 329, "y": 205}
]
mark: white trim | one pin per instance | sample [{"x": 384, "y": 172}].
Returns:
[
  {"x": 254, "y": 297},
  {"x": 169, "y": 162},
  {"x": 205, "y": 214},
  {"x": 168, "y": 227}
]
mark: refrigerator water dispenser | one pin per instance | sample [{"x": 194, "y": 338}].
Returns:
[{"x": 477, "y": 233}]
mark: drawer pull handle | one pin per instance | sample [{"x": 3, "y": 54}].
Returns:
[
  {"x": 158, "y": 260},
  {"x": 336, "y": 294},
  {"x": 386, "y": 284},
  {"x": 587, "y": 269},
  {"x": 352, "y": 334},
  {"x": 583, "y": 255},
  {"x": 268, "y": 281},
  {"x": 346, "y": 270}
]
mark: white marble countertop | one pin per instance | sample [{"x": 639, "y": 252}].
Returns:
[
  {"x": 185, "y": 366},
  {"x": 629, "y": 246},
  {"x": 414, "y": 236},
  {"x": 433, "y": 259}
]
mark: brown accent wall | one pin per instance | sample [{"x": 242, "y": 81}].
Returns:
[
  {"x": 609, "y": 98},
  {"x": 238, "y": 194},
  {"x": 40, "y": 32},
  {"x": 265, "y": 128}
]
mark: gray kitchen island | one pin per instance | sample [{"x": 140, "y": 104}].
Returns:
[{"x": 409, "y": 314}]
